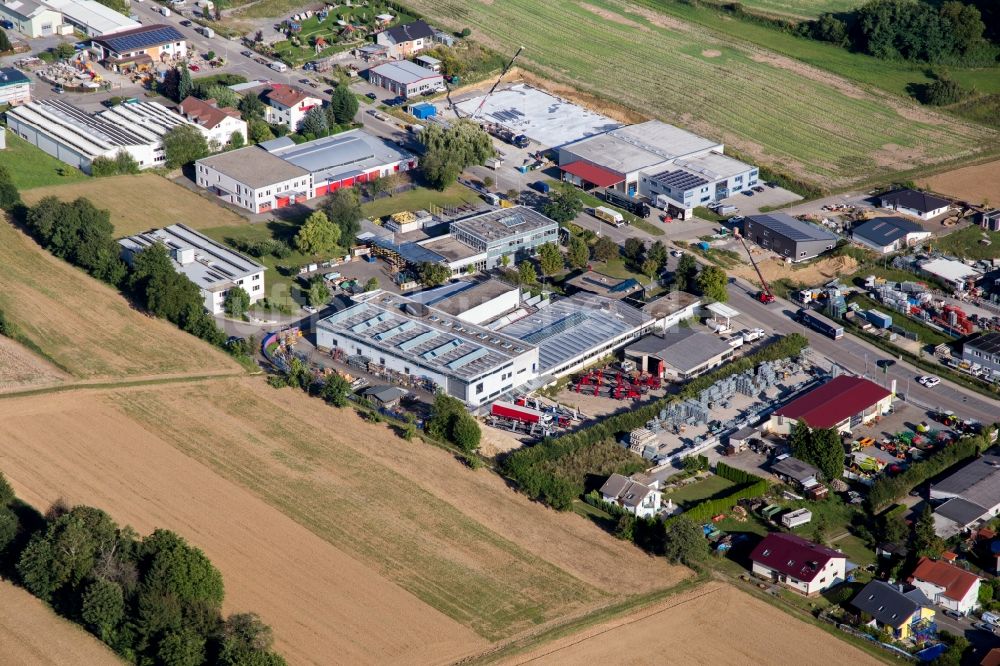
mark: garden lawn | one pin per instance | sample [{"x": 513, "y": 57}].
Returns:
[
  {"x": 966, "y": 243},
  {"x": 689, "y": 495},
  {"x": 776, "y": 110},
  {"x": 32, "y": 167},
  {"x": 420, "y": 198},
  {"x": 925, "y": 334}
]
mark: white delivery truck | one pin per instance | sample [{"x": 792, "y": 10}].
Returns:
[
  {"x": 612, "y": 217},
  {"x": 164, "y": 11},
  {"x": 278, "y": 66},
  {"x": 205, "y": 30}
]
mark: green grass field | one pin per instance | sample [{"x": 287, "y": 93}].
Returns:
[
  {"x": 966, "y": 243},
  {"x": 801, "y": 8},
  {"x": 32, "y": 167},
  {"x": 688, "y": 495},
  {"x": 776, "y": 110},
  {"x": 420, "y": 199}
]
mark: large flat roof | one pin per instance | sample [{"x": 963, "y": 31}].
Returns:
[
  {"x": 791, "y": 228},
  {"x": 643, "y": 146},
  {"x": 570, "y": 327},
  {"x": 342, "y": 155},
  {"x": 100, "y": 19},
  {"x": 544, "y": 118},
  {"x": 404, "y": 328},
  {"x": 669, "y": 303},
  {"x": 449, "y": 248},
  {"x": 977, "y": 482},
  {"x": 253, "y": 166},
  {"x": 683, "y": 349},
  {"x": 503, "y": 222},
  {"x": 213, "y": 265},
  {"x": 949, "y": 269},
  {"x": 405, "y": 72},
  {"x": 605, "y": 285},
  {"x": 457, "y": 297},
  {"x": 92, "y": 135}
]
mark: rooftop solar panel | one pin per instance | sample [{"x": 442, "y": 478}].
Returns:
[{"x": 143, "y": 39}]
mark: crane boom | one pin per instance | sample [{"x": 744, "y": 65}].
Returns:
[
  {"x": 766, "y": 295},
  {"x": 497, "y": 83}
]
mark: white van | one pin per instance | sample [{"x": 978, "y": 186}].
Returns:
[
  {"x": 278, "y": 66},
  {"x": 612, "y": 217},
  {"x": 164, "y": 11}
]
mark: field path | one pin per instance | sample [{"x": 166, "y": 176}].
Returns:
[
  {"x": 324, "y": 605},
  {"x": 713, "y": 624},
  {"x": 30, "y": 633}
]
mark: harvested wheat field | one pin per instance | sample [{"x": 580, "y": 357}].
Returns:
[
  {"x": 30, "y": 633},
  {"x": 21, "y": 369},
  {"x": 85, "y": 326},
  {"x": 978, "y": 184},
  {"x": 141, "y": 202},
  {"x": 347, "y": 539},
  {"x": 712, "y": 624}
]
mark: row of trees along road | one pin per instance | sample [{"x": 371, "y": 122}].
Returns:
[{"x": 153, "y": 599}]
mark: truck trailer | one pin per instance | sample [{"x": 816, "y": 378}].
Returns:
[
  {"x": 612, "y": 217},
  {"x": 521, "y": 414},
  {"x": 631, "y": 204},
  {"x": 818, "y": 322}
]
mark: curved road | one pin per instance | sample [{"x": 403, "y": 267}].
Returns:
[{"x": 851, "y": 354}]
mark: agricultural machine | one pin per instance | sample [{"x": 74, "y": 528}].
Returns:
[{"x": 765, "y": 295}]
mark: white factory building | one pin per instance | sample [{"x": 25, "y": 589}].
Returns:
[
  {"x": 213, "y": 267},
  {"x": 77, "y": 137},
  {"x": 480, "y": 340},
  {"x": 92, "y": 18},
  {"x": 662, "y": 163}
]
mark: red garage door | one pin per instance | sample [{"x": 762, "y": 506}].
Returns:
[
  {"x": 322, "y": 189},
  {"x": 347, "y": 182},
  {"x": 282, "y": 202}
]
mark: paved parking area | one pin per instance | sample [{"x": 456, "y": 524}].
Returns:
[{"x": 772, "y": 197}]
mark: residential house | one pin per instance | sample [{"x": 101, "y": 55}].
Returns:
[
  {"x": 946, "y": 585},
  {"x": 915, "y": 203},
  {"x": 288, "y": 105},
  {"x": 638, "y": 499},
  {"x": 211, "y": 266},
  {"x": 888, "y": 234},
  {"x": 798, "y": 564},
  {"x": 902, "y": 613},
  {"x": 15, "y": 87},
  {"x": 403, "y": 41},
  {"x": 218, "y": 124}
]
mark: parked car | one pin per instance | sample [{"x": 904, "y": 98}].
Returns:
[
  {"x": 186, "y": 23},
  {"x": 930, "y": 381},
  {"x": 246, "y": 54},
  {"x": 194, "y": 68},
  {"x": 759, "y": 188},
  {"x": 748, "y": 193},
  {"x": 59, "y": 90},
  {"x": 371, "y": 96},
  {"x": 953, "y": 613},
  {"x": 304, "y": 82},
  {"x": 311, "y": 309},
  {"x": 9, "y": 25}
]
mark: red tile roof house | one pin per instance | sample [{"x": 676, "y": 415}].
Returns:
[
  {"x": 798, "y": 564},
  {"x": 842, "y": 403},
  {"x": 216, "y": 123},
  {"x": 947, "y": 585},
  {"x": 288, "y": 105}
]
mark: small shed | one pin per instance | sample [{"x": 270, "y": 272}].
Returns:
[
  {"x": 739, "y": 440},
  {"x": 387, "y": 397},
  {"x": 428, "y": 62},
  {"x": 423, "y": 110}
]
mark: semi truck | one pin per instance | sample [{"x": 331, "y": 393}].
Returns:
[
  {"x": 526, "y": 415},
  {"x": 631, "y": 204},
  {"x": 612, "y": 217},
  {"x": 818, "y": 322}
]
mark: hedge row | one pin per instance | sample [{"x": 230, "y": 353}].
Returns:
[
  {"x": 737, "y": 476},
  {"x": 714, "y": 507}
]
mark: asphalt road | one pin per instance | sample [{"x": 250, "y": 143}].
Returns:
[{"x": 859, "y": 357}]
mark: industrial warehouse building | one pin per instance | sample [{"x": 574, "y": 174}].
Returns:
[
  {"x": 33, "y": 19},
  {"x": 279, "y": 173},
  {"x": 955, "y": 273},
  {"x": 671, "y": 309},
  {"x": 791, "y": 238},
  {"x": 984, "y": 350},
  {"x": 405, "y": 78},
  {"x": 78, "y": 138},
  {"x": 481, "y": 340},
  {"x": 888, "y": 234},
  {"x": 679, "y": 354},
  {"x": 15, "y": 87},
  {"x": 665, "y": 164},
  {"x": 92, "y": 18},
  {"x": 842, "y": 403},
  {"x": 971, "y": 497},
  {"x": 213, "y": 267},
  {"x": 505, "y": 232}
]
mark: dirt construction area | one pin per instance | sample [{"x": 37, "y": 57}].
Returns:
[
  {"x": 348, "y": 540},
  {"x": 811, "y": 274},
  {"x": 713, "y": 624},
  {"x": 974, "y": 184},
  {"x": 142, "y": 202},
  {"x": 30, "y": 633}
]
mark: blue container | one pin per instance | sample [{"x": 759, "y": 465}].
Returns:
[
  {"x": 879, "y": 319},
  {"x": 423, "y": 110},
  {"x": 704, "y": 246}
]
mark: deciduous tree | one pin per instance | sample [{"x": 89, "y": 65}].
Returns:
[
  {"x": 685, "y": 541},
  {"x": 550, "y": 259},
  {"x": 712, "y": 284},
  {"x": 318, "y": 235},
  {"x": 184, "y": 144},
  {"x": 237, "y": 302},
  {"x": 564, "y": 204},
  {"x": 604, "y": 249},
  {"x": 432, "y": 274},
  {"x": 578, "y": 254},
  {"x": 343, "y": 106},
  {"x": 686, "y": 273},
  {"x": 343, "y": 208}
]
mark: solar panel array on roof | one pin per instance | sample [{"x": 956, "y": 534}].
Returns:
[
  {"x": 679, "y": 180},
  {"x": 512, "y": 221},
  {"x": 789, "y": 227},
  {"x": 138, "y": 40}
]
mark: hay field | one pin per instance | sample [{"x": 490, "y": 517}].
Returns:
[
  {"x": 346, "y": 539},
  {"x": 801, "y": 8},
  {"x": 975, "y": 184},
  {"x": 85, "y": 326},
  {"x": 141, "y": 202},
  {"x": 21, "y": 369},
  {"x": 778, "y": 110},
  {"x": 30, "y": 633},
  {"x": 714, "y": 624}
]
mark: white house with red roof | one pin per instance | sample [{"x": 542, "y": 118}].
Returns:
[
  {"x": 842, "y": 403},
  {"x": 801, "y": 565},
  {"x": 288, "y": 105},
  {"x": 217, "y": 123},
  {"x": 945, "y": 584}
]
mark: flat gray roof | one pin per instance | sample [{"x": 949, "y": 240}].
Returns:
[
  {"x": 472, "y": 295},
  {"x": 212, "y": 265},
  {"x": 961, "y": 511},
  {"x": 253, "y": 166},
  {"x": 341, "y": 155},
  {"x": 434, "y": 339},
  {"x": 544, "y": 118},
  {"x": 449, "y": 248},
  {"x": 405, "y": 72},
  {"x": 669, "y": 303},
  {"x": 643, "y": 146},
  {"x": 977, "y": 482},
  {"x": 791, "y": 228},
  {"x": 683, "y": 349},
  {"x": 503, "y": 222},
  {"x": 605, "y": 285},
  {"x": 570, "y": 327},
  {"x": 795, "y": 469}
]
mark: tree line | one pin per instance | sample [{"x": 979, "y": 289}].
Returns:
[
  {"x": 821, "y": 447},
  {"x": 549, "y": 471},
  {"x": 153, "y": 599}
]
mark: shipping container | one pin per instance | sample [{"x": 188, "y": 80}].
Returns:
[{"x": 879, "y": 319}]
